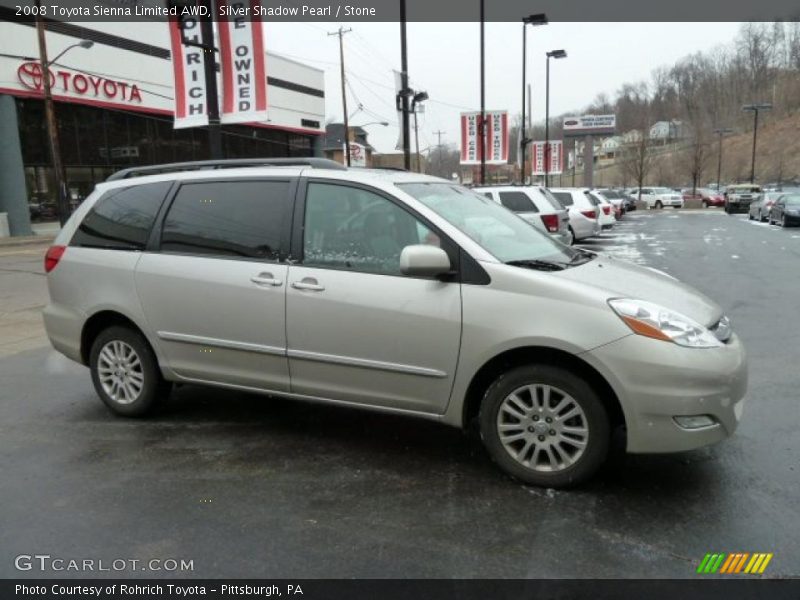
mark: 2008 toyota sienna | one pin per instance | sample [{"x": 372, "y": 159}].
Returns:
[{"x": 392, "y": 291}]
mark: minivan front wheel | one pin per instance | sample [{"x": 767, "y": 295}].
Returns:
[
  {"x": 125, "y": 372},
  {"x": 545, "y": 425}
]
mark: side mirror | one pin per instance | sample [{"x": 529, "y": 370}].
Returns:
[{"x": 423, "y": 260}]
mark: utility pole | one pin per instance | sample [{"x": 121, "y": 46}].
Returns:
[
  {"x": 720, "y": 132},
  {"x": 404, "y": 92},
  {"x": 439, "y": 135},
  {"x": 341, "y": 33},
  {"x": 416, "y": 141},
  {"x": 210, "y": 72},
  {"x": 755, "y": 109},
  {"x": 52, "y": 129},
  {"x": 482, "y": 123}
]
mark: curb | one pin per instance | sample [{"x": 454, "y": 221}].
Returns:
[{"x": 30, "y": 240}]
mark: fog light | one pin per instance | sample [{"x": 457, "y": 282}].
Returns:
[{"x": 695, "y": 421}]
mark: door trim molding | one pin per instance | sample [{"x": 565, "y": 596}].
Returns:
[
  {"x": 366, "y": 363},
  {"x": 201, "y": 340}
]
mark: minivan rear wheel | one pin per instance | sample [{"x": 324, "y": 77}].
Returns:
[
  {"x": 125, "y": 372},
  {"x": 545, "y": 426}
]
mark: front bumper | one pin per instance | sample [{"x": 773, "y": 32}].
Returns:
[{"x": 656, "y": 381}]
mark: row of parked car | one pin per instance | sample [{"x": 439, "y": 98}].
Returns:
[{"x": 567, "y": 214}]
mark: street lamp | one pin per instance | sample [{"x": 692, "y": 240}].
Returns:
[
  {"x": 551, "y": 54},
  {"x": 721, "y": 132},
  {"x": 384, "y": 123},
  {"x": 755, "y": 108},
  {"x": 535, "y": 20},
  {"x": 416, "y": 99},
  {"x": 62, "y": 202}
]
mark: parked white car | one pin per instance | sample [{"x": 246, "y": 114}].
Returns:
[
  {"x": 534, "y": 204},
  {"x": 584, "y": 217},
  {"x": 606, "y": 210},
  {"x": 659, "y": 197}
]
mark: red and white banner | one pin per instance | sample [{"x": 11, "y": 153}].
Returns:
[
  {"x": 244, "y": 76},
  {"x": 187, "y": 66},
  {"x": 495, "y": 136},
  {"x": 556, "y": 158}
]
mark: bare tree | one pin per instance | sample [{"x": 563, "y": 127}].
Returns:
[{"x": 637, "y": 160}]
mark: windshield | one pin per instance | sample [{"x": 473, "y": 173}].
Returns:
[{"x": 502, "y": 233}]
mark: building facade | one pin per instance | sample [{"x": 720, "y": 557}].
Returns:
[{"x": 114, "y": 105}]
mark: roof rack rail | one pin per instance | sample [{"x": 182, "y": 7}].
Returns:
[{"x": 199, "y": 165}]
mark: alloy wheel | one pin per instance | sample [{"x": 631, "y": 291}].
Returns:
[
  {"x": 542, "y": 427},
  {"x": 119, "y": 369}
]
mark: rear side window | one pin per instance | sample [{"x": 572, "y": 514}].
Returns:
[
  {"x": 594, "y": 201},
  {"x": 517, "y": 201},
  {"x": 228, "y": 218},
  {"x": 565, "y": 198},
  {"x": 122, "y": 218}
]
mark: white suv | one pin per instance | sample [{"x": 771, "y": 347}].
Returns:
[
  {"x": 392, "y": 291},
  {"x": 534, "y": 204},
  {"x": 584, "y": 211},
  {"x": 660, "y": 197}
]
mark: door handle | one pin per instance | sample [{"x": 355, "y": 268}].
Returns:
[
  {"x": 308, "y": 283},
  {"x": 266, "y": 279}
]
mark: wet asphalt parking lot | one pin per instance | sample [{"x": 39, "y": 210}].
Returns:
[{"x": 250, "y": 486}]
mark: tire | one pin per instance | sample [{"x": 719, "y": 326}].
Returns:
[
  {"x": 783, "y": 221},
  {"x": 705, "y": 204},
  {"x": 563, "y": 386},
  {"x": 749, "y": 216},
  {"x": 659, "y": 205},
  {"x": 120, "y": 347}
]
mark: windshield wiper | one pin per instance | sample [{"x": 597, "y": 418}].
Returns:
[
  {"x": 535, "y": 263},
  {"x": 581, "y": 257}
]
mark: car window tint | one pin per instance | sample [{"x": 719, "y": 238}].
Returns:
[
  {"x": 231, "y": 218},
  {"x": 594, "y": 201},
  {"x": 122, "y": 218},
  {"x": 357, "y": 230},
  {"x": 565, "y": 198},
  {"x": 517, "y": 201}
]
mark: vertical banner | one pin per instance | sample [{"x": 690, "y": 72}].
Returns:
[
  {"x": 556, "y": 158},
  {"x": 244, "y": 77},
  {"x": 187, "y": 67},
  {"x": 469, "y": 138},
  {"x": 496, "y": 138}
]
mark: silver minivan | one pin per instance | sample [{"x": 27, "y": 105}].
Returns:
[{"x": 392, "y": 291}]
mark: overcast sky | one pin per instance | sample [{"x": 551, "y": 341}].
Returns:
[{"x": 444, "y": 61}]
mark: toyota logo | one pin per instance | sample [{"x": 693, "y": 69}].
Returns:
[
  {"x": 571, "y": 122},
  {"x": 30, "y": 75}
]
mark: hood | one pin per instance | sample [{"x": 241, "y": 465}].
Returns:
[{"x": 622, "y": 279}]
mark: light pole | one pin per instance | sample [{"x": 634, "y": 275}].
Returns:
[
  {"x": 721, "y": 132},
  {"x": 417, "y": 98},
  {"x": 551, "y": 54},
  {"x": 62, "y": 202},
  {"x": 537, "y": 19},
  {"x": 755, "y": 109}
]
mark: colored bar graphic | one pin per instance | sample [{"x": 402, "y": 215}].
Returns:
[{"x": 735, "y": 562}]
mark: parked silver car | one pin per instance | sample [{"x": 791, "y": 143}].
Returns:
[
  {"x": 534, "y": 204},
  {"x": 392, "y": 291}
]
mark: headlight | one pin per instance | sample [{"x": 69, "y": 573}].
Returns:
[{"x": 652, "y": 320}]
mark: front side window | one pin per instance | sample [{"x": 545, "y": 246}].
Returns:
[
  {"x": 518, "y": 202},
  {"x": 357, "y": 230},
  {"x": 122, "y": 218},
  {"x": 228, "y": 219}
]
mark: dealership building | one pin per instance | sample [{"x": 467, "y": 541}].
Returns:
[{"x": 114, "y": 104}]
